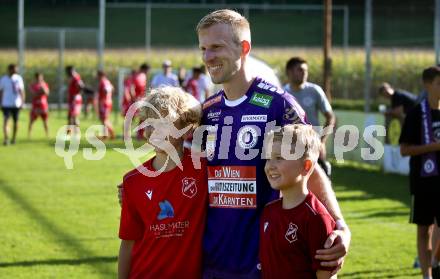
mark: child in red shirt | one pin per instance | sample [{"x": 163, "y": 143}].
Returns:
[
  {"x": 165, "y": 200},
  {"x": 295, "y": 226}
]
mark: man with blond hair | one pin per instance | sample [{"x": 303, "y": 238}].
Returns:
[{"x": 237, "y": 118}]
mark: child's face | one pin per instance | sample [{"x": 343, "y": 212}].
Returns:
[
  {"x": 433, "y": 87},
  {"x": 162, "y": 133},
  {"x": 282, "y": 173}
]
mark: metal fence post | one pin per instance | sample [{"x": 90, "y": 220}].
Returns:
[{"x": 368, "y": 44}]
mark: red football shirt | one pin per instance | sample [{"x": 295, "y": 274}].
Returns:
[
  {"x": 39, "y": 100},
  {"x": 289, "y": 238},
  {"x": 165, "y": 215},
  {"x": 140, "y": 84},
  {"x": 74, "y": 90},
  {"x": 105, "y": 90}
]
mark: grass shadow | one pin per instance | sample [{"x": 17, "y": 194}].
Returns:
[
  {"x": 374, "y": 183},
  {"x": 91, "y": 260},
  {"x": 60, "y": 236}
]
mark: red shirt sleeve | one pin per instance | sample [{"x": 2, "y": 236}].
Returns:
[
  {"x": 131, "y": 226},
  {"x": 320, "y": 227}
]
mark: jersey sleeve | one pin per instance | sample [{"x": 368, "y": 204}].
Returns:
[
  {"x": 410, "y": 130},
  {"x": 292, "y": 112},
  {"x": 323, "y": 103},
  {"x": 320, "y": 227},
  {"x": 131, "y": 226}
]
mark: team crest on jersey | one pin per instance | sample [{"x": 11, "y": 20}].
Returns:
[
  {"x": 429, "y": 166},
  {"x": 247, "y": 137},
  {"x": 189, "y": 187},
  {"x": 291, "y": 233},
  {"x": 261, "y": 100}
]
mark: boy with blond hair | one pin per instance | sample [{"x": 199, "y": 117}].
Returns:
[
  {"x": 293, "y": 227},
  {"x": 163, "y": 214}
]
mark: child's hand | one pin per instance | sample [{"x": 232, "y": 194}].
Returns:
[{"x": 120, "y": 191}]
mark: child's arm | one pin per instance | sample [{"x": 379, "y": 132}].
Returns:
[
  {"x": 325, "y": 274},
  {"x": 124, "y": 259},
  {"x": 414, "y": 150}
]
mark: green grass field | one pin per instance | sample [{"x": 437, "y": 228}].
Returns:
[{"x": 59, "y": 223}]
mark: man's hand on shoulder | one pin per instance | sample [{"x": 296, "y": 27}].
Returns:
[{"x": 335, "y": 248}]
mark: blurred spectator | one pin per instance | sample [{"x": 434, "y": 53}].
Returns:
[
  {"x": 12, "y": 96},
  {"x": 128, "y": 96},
  {"x": 140, "y": 89},
  {"x": 140, "y": 82},
  {"x": 74, "y": 98},
  {"x": 40, "y": 91},
  {"x": 167, "y": 77},
  {"x": 192, "y": 85},
  {"x": 205, "y": 82},
  {"x": 181, "y": 76},
  {"x": 312, "y": 99},
  {"x": 401, "y": 101},
  {"x": 105, "y": 92}
]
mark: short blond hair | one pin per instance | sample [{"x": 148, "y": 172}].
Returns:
[
  {"x": 239, "y": 24},
  {"x": 173, "y": 103},
  {"x": 302, "y": 135}
]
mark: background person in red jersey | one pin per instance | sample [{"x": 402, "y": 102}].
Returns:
[
  {"x": 140, "y": 88},
  {"x": 192, "y": 86},
  {"x": 105, "y": 93},
  {"x": 74, "y": 98},
  {"x": 40, "y": 91},
  {"x": 129, "y": 95}
]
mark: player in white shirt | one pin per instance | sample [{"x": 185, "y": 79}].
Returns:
[{"x": 12, "y": 96}]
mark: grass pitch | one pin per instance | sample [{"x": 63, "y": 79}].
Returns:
[{"x": 60, "y": 223}]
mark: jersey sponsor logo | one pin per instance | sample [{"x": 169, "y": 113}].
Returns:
[
  {"x": 210, "y": 102},
  {"x": 291, "y": 233},
  {"x": 149, "y": 194},
  {"x": 261, "y": 100},
  {"x": 269, "y": 87},
  {"x": 247, "y": 137},
  {"x": 214, "y": 115},
  {"x": 166, "y": 210},
  {"x": 210, "y": 142},
  {"x": 189, "y": 187},
  {"x": 254, "y": 118},
  {"x": 232, "y": 186},
  {"x": 172, "y": 229}
]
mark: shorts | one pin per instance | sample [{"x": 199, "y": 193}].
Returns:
[
  {"x": 11, "y": 111},
  {"x": 424, "y": 208},
  {"x": 35, "y": 112},
  {"x": 75, "y": 109},
  {"x": 104, "y": 112}
]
